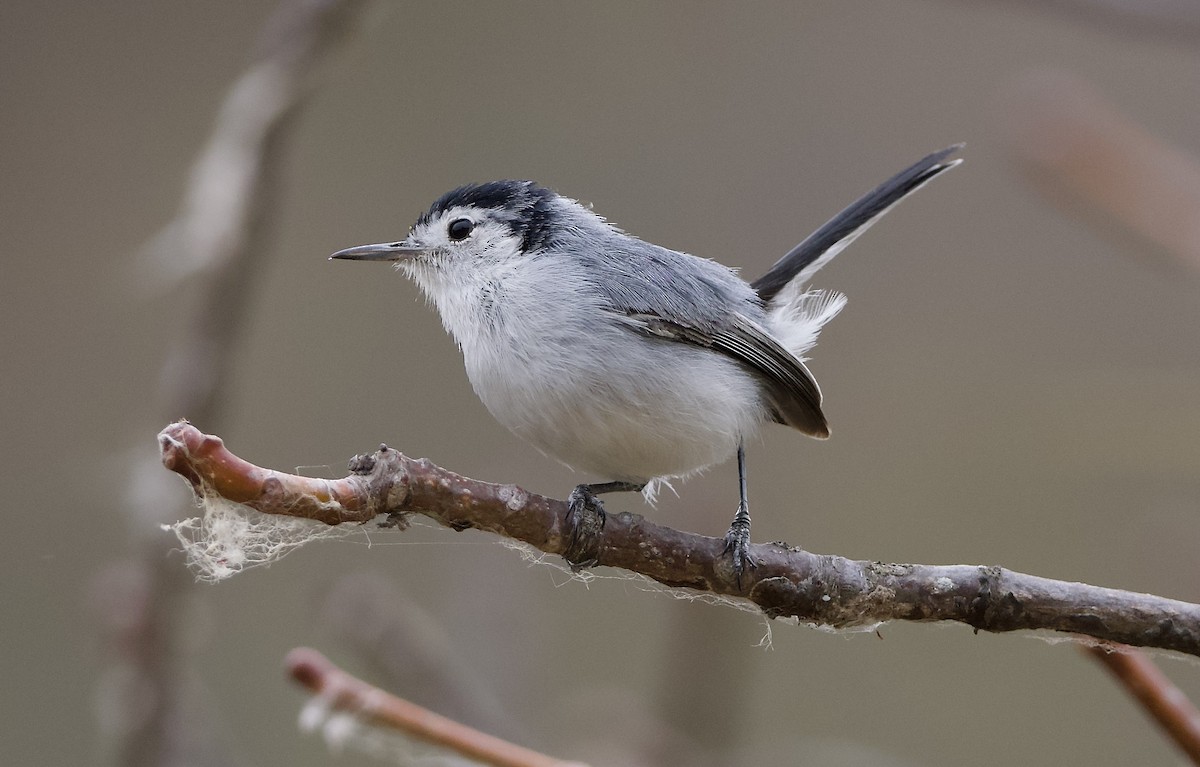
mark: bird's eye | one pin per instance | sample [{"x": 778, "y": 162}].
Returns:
[{"x": 460, "y": 228}]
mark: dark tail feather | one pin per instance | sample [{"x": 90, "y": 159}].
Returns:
[{"x": 838, "y": 232}]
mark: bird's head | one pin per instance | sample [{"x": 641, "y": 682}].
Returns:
[{"x": 477, "y": 224}]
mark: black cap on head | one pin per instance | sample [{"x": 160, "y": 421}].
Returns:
[{"x": 524, "y": 205}]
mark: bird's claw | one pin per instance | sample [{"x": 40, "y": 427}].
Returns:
[
  {"x": 737, "y": 547},
  {"x": 585, "y": 522}
]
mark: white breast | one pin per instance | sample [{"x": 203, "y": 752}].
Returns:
[{"x": 556, "y": 368}]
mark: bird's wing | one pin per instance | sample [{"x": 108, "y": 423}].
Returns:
[
  {"x": 794, "y": 396},
  {"x": 802, "y": 261},
  {"x": 678, "y": 297}
]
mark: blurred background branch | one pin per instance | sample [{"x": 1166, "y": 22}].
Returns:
[
  {"x": 1177, "y": 20},
  {"x": 1078, "y": 149},
  {"x": 216, "y": 246}
]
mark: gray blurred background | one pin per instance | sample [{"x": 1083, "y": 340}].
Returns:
[{"x": 1016, "y": 379}]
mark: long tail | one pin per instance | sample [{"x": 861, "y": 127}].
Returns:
[{"x": 822, "y": 245}]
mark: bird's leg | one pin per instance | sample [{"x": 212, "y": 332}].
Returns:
[
  {"x": 585, "y": 521},
  {"x": 737, "y": 540}
]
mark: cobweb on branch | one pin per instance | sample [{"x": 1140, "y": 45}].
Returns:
[
  {"x": 230, "y": 537},
  {"x": 344, "y": 731}
]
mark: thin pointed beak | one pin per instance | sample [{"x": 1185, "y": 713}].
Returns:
[{"x": 384, "y": 251}]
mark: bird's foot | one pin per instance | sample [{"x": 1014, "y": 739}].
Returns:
[
  {"x": 585, "y": 523},
  {"x": 737, "y": 545}
]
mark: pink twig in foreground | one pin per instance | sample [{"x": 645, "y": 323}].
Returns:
[
  {"x": 1163, "y": 701},
  {"x": 352, "y": 695}
]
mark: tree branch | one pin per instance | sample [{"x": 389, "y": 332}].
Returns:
[
  {"x": 823, "y": 589},
  {"x": 352, "y": 695}
]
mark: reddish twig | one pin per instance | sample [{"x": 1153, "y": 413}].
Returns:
[
  {"x": 350, "y": 694},
  {"x": 1163, "y": 701},
  {"x": 826, "y": 590}
]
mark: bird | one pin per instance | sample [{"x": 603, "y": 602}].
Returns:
[{"x": 622, "y": 358}]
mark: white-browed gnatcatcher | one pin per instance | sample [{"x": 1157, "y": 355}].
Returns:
[{"x": 620, "y": 357}]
